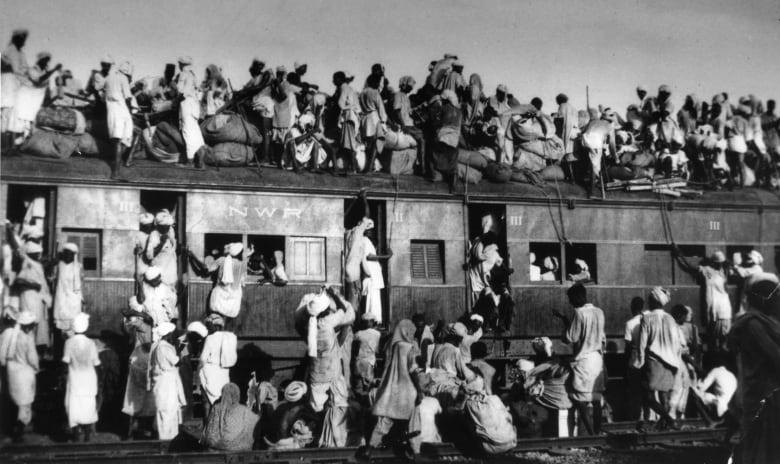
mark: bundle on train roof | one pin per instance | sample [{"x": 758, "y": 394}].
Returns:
[{"x": 228, "y": 127}]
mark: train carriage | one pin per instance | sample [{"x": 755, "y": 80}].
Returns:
[{"x": 625, "y": 239}]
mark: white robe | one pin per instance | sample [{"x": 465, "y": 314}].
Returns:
[
  {"x": 81, "y": 355},
  {"x": 167, "y": 388},
  {"x": 138, "y": 401},
  {"x": 218, "y": 356},
  {"x": 67, "y": 296},
  {"x": 372, "y": 285}
]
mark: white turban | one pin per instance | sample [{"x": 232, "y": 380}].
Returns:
[
  {"x": 551, "y": 262},
  {"x": 152, "y": 273},
  {"x": 81, "y": 323},
  {"x": 477, "y": 317},
  {"x": 233, "y": 250},
  {"x": 755, "y": 257},
  {"x": 525, "y": 365},
  {"x": 661, "y": 295},
  {"x": 71, "y": 247},
  {"x": 198, "y": 328},
  {"x": 163, "y": 218},
  {"x": 216, "y": 319},
  {"x": 26, "y": 318},
  {"x": 582, "y": 264},
  {"x": 146, "y": 219},
  {"x": 33, "y": 247},
  {"x": 458, "y": 329},
  {"x": 450, "y": 96},
  {"x": 542, "y": 345},
  {"x": 295, "y": 391},
  {"x": 315, "y": 305},
  {"x": 165, "y": 328},
  {"x": 718, "y": 257}
]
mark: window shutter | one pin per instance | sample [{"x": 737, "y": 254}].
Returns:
[
  {"x": 418, "y": 261},
  {"x": 89, "y": 250},
  {"x": 433, "y": 261},
  {"x": 427, "y": 261},
  {"x": 307, "y": 260}
]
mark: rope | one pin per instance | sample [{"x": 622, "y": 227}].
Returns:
[{"x": 560, "y": 212}]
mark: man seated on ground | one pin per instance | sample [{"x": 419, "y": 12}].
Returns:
[{"x": 478, "y": 354}]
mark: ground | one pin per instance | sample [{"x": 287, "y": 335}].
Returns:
[{"x": 700, "y": 453}]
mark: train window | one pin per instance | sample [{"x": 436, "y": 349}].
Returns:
[
  {"x": 89, "y": 244},
  {"x": 306, "y": 260},
  {"x": 545, "y": 261},
  {"x": 214, "y": 244},
  {"x": 427, "y": 258},
  {"x": 29, "y": 208},
  {"x": 581, "y": 262},
  {"x": 693, "y": 254},
  {"x": 153, "y": 201},
  {"x": 268, "y": 248}
]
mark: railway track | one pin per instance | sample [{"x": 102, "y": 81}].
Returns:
[{"x": 618, "y": 435}]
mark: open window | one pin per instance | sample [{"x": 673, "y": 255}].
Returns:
[
  {"x": 267, "y": 249},
  {"x": 734, "y": 254},
  {"x": 427, "y": 260},
  {"x": 90, "y": 248},
  {"x": 32, "y": 209},
  {"x": 694, "y": 254},
  {"x": 581, "y": 263},
  {"x": 544, "y": 262},
  {"x": 485, "y": 218},
  {"x": 355, "y": 210},
  {"x": 660, "y": 267}
]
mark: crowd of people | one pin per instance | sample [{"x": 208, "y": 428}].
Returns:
[
  {"x": 448, "y": 129},
  {"x": 420, "y": 383}
]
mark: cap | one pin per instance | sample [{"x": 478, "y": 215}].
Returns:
[{"x": 215, "y": 319}]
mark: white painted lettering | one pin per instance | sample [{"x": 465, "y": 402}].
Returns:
[
  {"x": 292, "y": 212},
  {"x": 515, "y": 220},
  {"x": 714, "y": 225},
  {"x": 232, "y": 210},
  {"x": 265, "y": 212}
]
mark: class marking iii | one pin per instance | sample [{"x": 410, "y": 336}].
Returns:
[{"x": 714, "y": 225}]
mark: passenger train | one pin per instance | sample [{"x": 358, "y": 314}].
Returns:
[{"x": 624, "y": 238}]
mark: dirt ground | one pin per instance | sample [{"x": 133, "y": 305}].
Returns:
[{"x": 682, "y": 454}]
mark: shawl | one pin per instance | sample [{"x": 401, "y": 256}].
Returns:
[
  {"x": 396, "y": 394},
  {"x": 230, "y": 425}
]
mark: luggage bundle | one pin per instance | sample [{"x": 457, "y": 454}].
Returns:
[
  {"x": 60, "y": 133},
  {"x": 60, "y": 119},
  {"x": 399, "y": 152},
  {"x": 164, "y": 143},
  {"x": 470, "y": 165},
  {"x": 232, "y": 138}
]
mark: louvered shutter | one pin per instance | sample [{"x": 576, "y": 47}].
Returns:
[
  {"x": 426, "y": 260},
  {"x": 89, "y": 251},
  {"x": 418, "y": 261}
]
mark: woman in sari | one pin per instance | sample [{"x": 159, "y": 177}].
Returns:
[{"x": 230, "y": 425}]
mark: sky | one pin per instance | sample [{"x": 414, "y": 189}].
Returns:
[{"x": 538, "y": 48}]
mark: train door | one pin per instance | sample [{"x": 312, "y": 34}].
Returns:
[
  {"x": 153, "y": 201},
  {"x": 486, "y": 224},
  {"x": 32, "y": 209},
  {"x": 354, "y": 210}
]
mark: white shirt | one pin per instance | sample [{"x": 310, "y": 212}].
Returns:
[{"x": 720, "y": 384}]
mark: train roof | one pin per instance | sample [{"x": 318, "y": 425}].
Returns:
[{"x": 153, "y": 175}]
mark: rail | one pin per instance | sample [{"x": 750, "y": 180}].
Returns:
[{"x": 618, "y": 435}]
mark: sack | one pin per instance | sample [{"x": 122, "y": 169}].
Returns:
[
  {"x": 50, "y": 144},
  {"x": 469, "y": 174},
  {"x": 398, "y": 140},
  {"x": 157, "y": 143},
  {"x": 400, "y": 162},
  {"x": 169, "y": 138},
  {"x": 497, "y": 172},
  {"x": 526, "y": 176},
  {"x": 620, "y": 173},
  {"x": 87, "y": 145},
  {"x": 228, "y": 127},
  {"x": 229, "y": 154},
  {"x": 61, "y": 119},
  {"x": 553, "y": 173},
  {"x": 474, "y": 159},
  {"x": 492, "y": 423}
]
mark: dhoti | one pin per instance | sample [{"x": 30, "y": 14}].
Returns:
[
  {"x": 120, "y": 122},
  {"x": 189, "y": 112}
]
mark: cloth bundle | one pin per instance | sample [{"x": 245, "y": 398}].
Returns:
[
  {"x": 45, "y": 143},
  {"x": 228, "y": 127},
  {"x": 229, "y": 154},
  {"x": 165, "y": 144},
  {"x": 66, "y": 120}
]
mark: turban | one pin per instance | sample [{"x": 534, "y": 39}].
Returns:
[
  {"x": 581, "y": 263},
  {"x": 450, "y": 96},
  {"x": 745, "y": 109},
  {"x": 295, "y": 391},
  {"x": 216, "y": 319},
  {"x": 185, "y": 60},
  {"x": 718, "y": 257},
  {"x": 71, "y": 247},
  {"x": 233, "y": 250},
  {"x": 306, "y": 119},
  {"x": 281, "y": 69},
  {"x": 198, "y": 328},
  {"x": 477, "y": 317},
  {"x": 19, "y": 33},
  {"x": 368, "y": 316},
  {"x": 152, "y": 272},
  {"x": 146, "y": 219},
  {"x": 661, "y": 295},
  {"x": 32, "y": 233},
  {"x": 348, "y": 75},
  {"x": 107, "y": 59},
  {"x": 450, "y": 56},
  {"x": 641, "y": 88},
  {"x": 502, "y": 88},
  {"x": 298, "y": 64},
  {"x": 258, "y": 62},
  {"x": 26, "y": 318},
  {"x": 755, "y": 257},
  {"x": 368, "y": 223},
  {"x": 532, "y": 257},
  {"x": 319, "y": 99},
  {"x": 43, "y": 55},
  {"x": 81, "y": 323},
  {"x": 542, "y": 345},
  {"x": 457, "y": 63},
  {"x": 665, "y": 89},
  {"x": 551, "y": 262},
  {"x": 315, "y": 305},
  {"x": 406, "y": 80},
  {"x": 163, "y": 218},
  {"x": 525, "y": 365},
  {"x": 165, "y": 328},
  {"x": 32, "y": 247},
  {"x": 126, "y": 68},
  {"x": 458, "y": 329}
]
